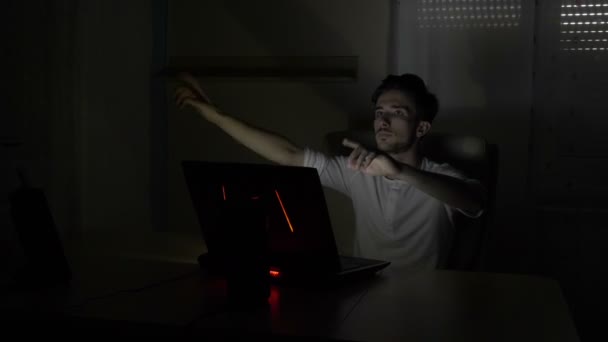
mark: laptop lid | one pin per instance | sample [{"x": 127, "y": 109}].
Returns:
[{"x": 295, "y": 215}]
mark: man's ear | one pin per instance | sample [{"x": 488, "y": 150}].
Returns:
[{"x": 423, "y": 128}]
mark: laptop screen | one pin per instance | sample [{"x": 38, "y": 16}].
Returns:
[{"x": 284, "y": 204}]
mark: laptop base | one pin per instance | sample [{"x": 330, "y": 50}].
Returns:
[{"x": 365, "y": 269}]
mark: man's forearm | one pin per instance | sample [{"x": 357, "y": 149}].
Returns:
[
  {"x": 267, "y": 144},
  {"x": 450, "y": 190}
]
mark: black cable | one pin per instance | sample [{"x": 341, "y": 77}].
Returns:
[{"x": 132, "y": 290}]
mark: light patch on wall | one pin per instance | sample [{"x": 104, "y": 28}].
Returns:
[
  {"x": 468, "y": 14},
  {"x": 584, "y": 26}
]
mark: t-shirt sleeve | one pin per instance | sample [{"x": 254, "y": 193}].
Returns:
[
  {"x": 448, "y": 170},
  {"x": 333, "y": 171}
]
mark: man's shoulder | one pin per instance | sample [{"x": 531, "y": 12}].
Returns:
[
  {"x": 318, "y": 153},
  {"x": 327, "y": 164}
]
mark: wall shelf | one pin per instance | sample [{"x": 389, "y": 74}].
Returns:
[{"x": 272, "y": 68}]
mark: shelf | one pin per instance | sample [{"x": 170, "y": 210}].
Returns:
[{"x": 273, "y": 68}]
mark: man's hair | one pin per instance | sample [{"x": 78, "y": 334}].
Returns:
[{"x": 426, "y": 102}]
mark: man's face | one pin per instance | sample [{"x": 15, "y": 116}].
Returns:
[{"x": 395, "y": 122}]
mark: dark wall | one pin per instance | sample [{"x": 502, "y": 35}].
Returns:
[{"x": 37, "y": 125}]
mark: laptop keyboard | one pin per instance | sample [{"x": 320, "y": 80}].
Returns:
[{"x": 352, "y": 262}]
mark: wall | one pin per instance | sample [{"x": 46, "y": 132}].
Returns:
[
  {"x": 36, "y": 114},
  {"x": 77, "y": 80},
  {"x": 478, "y": 60},
  {"x": 114, "y": 45},
  {"x": 569, "y": 157}
]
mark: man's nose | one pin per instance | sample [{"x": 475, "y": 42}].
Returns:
[{"x": 384, "y": 121}]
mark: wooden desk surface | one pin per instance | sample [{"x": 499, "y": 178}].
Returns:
[
  {"x": 460, "y": 306},
  {"x": 424, "y": 306},
  {"x": 97, "y": 277},
  {"x": 293, "y": 311}
]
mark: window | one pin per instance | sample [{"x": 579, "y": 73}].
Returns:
[
  {"x": 584, "y": 26},
  {"x": 468, "y": 14}
]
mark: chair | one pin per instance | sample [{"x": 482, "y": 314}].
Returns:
[{"x": 470, "y": 154}]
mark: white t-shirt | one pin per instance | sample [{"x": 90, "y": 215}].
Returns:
[{"x": 394, "y": 221}]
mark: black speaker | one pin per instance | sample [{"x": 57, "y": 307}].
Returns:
[{"x": 46, "y": 264}]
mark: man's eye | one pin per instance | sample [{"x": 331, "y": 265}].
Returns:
[
  {"x": 379, "y": 114},
  {"x": 402, "y": 114}
]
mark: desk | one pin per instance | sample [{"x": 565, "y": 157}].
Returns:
[
  {"x": 176, "y": 298},
  {"x": 461, "y": 306}
]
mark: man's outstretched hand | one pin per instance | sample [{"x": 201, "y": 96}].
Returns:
[
  {"x": 369, "y": 162},
  {"x": 190, "y": 93},
  {"x": 189, "y": 81}
]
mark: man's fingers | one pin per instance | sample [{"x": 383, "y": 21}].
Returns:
[
  {"x": 350, "y": 143},
  {"x": 182, "y": 94},
  {"x": 361, "y": 160},
  {"x": 184, "y": 89},
  {"x": 179, "y": 97},
  {"x": 353, "y": 159},
  {"x": 188, "y": 101},
  {"x": 183, "y": 99},
  {"x": 194, "y": 84},
  {"x": 354, "y": 156},
  {"x": 368, "y": 160}
]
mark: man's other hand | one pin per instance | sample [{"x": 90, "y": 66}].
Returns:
[{"x": 369, "y": 162}]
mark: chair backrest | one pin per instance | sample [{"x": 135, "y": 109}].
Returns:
[{"x": 472, "y": 155}]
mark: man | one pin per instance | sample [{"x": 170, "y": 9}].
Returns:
[{"x": 403, "y": 202}]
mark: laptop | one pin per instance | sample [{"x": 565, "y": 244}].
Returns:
[{"x": 281, "y": 209}]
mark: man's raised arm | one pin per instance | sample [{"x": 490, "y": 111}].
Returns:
[{"x": 267, "y": 144}]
